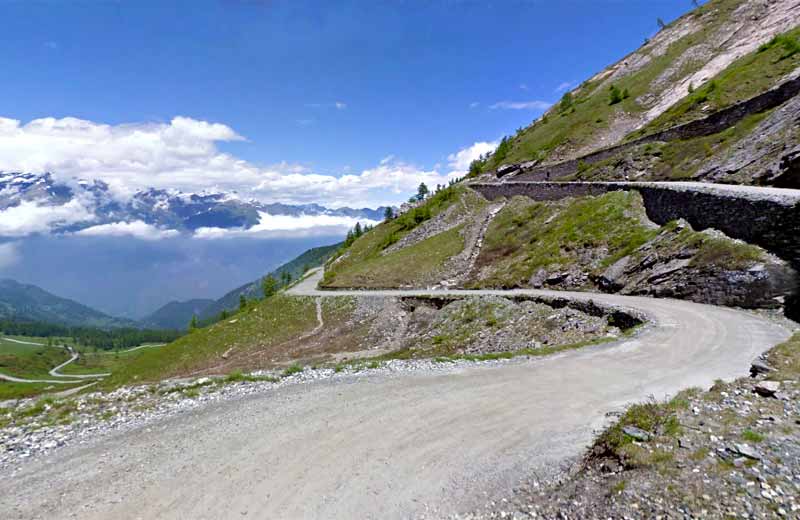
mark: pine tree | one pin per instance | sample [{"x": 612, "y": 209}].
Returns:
[
  {"x": 422, "y": 191},
  {"x": 661, "y": 24},
  {"x": 269, "y": 286},
  {"x": 357, "y": 231},
  {"x": 242, "y": 301},
  {"x": 388, "y": 214},
  {"x": 193, "y": 322}
]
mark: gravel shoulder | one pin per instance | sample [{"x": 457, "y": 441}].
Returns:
[{"x": 424, "y": 443}]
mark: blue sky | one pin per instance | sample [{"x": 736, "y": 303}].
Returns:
[
  {"x": 406, "y": 72},
  {"x": 338, "y": 103}
]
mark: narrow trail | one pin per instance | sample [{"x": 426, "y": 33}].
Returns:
[
  {"x": 21, "y": 342},
  {"x": 75, "y": 356},
  {"x": 320, "y": 322},
  {"x": 476, "y": 248},
  {"x": 13, "y": 379}
]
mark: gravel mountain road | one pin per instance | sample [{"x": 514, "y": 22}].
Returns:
[{"x": 375, "y": 446}]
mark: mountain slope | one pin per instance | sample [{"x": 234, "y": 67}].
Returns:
[
  {"x": 230, "y": 301},
  {"x": 640, "y": 89},
  {"x": 26, "y": 302},
  {"x": 176, "y": 315}
]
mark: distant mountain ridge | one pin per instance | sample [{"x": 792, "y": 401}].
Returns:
[
  {"x": 165, "y": 209},
  {"x": 26, "y": 302},
  {"x": 177, "y": 314}
]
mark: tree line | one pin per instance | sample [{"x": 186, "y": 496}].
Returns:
[{"x": 102, "y": 339}]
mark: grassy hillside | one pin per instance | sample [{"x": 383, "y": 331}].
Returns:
[
  {"x": 527, "y": 236},
  {"x": 256, "y": 331},
  {"x": 372, "y": 261},
  {"x": 679, "y": 63},
  {"x": 748, "y": 76},
  {"x": 530, "y": 240}
]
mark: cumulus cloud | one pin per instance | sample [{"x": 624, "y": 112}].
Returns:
[
  {"x": 183, "y": 154},
  {"x": 274, "y": 226},
  {"x": 31, "y": 217},
  {"x": 137, "y": 229},
  {"x": 521, "y": 105},
  {"x": 9, "y": 255},
  {"x": 461, "y": 160}
]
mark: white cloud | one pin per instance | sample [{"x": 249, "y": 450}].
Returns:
[
  {"x": 183, "y": 155},
  {"x": 521, "y": 105},
  {"x": 564, "y": 86},
  {"x": 461, "y": 160},
  {"x": 274, "y": 226},
  {"x": 523, "y": 86},
  {"x": 474, "y": 104},
  {"x": 340, "y": 105},
  {"x": 31, "y": 217},
  {"x": 136, "y": 229},
  {"x": 9, "y": 254}
]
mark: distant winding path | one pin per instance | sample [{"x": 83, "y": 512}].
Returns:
[{"x": 56, "y": 371}]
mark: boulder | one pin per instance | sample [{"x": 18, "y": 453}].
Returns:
[
  {"x": 744, "y": 450},
  {"x": 637, "y": 433},
  {"x": 612, "y": 279},
  {"x": 759, "y": 366},
  {"x": 505, "y": 169},
  {"x": 767, "y": 388}
]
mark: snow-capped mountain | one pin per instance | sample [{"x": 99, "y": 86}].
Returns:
[{"x": 82, "y": 204}]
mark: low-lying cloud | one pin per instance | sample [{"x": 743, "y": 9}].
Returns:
[
  {"x": 136, "y": 229},
  {"x": 34, "y": 217},
  {"x": 287, "y": 226}
]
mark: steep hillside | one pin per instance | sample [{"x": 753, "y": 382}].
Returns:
[
  {"x": 176, "y": 315},
  {"x": 30, "y": 303},
  {"x": 711, "y": 58},
  {"x": 602, "y": 243}
]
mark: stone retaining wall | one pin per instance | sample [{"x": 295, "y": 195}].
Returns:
[
  {"x": 712, "y": 124},
  {"x": 756, "y": 217}
]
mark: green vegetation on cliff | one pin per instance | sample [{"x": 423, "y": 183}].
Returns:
[
  {"x": 257, "y": 329},
  {"x": 582, "y": 118},
  {"x": 527, "y": 236},
  {"x": 589, "y": 234},
  {"x": 746, "y": 77},
  {"x": 369, "y": 261}
]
